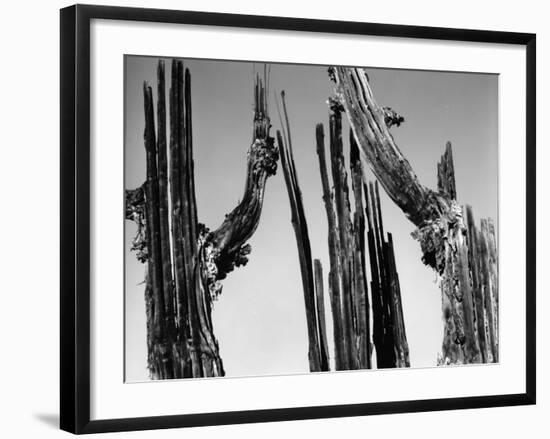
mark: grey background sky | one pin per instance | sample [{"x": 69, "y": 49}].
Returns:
[{"x": 259, "y": 319}]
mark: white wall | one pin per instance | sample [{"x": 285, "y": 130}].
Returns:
[{"x": 30, "y": 203}]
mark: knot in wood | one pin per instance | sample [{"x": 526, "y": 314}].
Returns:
[
  {"x": 431, "y": 237},
  {"x": 209, "y": 261},
  {"x": 391, "y": 117},
  {"x": 135, "y": 202},
  {"x": 135, "y": 211},
  {"x": 218, "y": 259},
  {"x": 335, "y": 105},
  {"x": 332, "y": 74},
  {"x": 435, "y": 234},
  {"x": 263, "y": 156}
]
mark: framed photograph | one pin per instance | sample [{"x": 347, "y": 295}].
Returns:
[{"x": 271, "y": 218}]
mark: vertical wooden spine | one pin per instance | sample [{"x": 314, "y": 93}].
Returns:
[
  {"x": 376, "y": 294},
  {"x": 399, "y": 334},
  {"x": 182, "y": 286},
  {"x": 160, "y": 357},
  {"x": 380, "y": 315},
  {"x": 362, "y": 312},
  {"x": 200, "y": 300},
  {"x": 168, "y": 290},
  {"x": 319, "y": 298},
  {"x": 343, "y": 216},
  {"x": 152, "y": 361},
  {"x": 185, "y": 286},
  {"x": 333, "y": 247},
  {"x": 446, "y": 173},
  {"x": 477, "y": 286},
  {"x": 489, "y": 290},
  {"x": 198, "y": 297},
  {"x": 386, "y": 281},
  {"x": 389, "y": 333},
  {"x": 458, "y": 283},
  {"x": 483, "y": 269},
  {"x": 299, "y": 224},
  {"x": 493, "y": 272},
  {"x": 186, "y": 239}
]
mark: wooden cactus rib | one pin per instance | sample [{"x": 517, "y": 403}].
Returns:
[
  {"x": 333, "y": 246},
  {"x": 185, "y": 264},
  {"x": 345, "y": 235},
  {"x": 446, "y": 183},
  {"x": 381, "y": 320},
  {"x": 440, "y": 221},
  {"x": 483, "y": 262},
  {"x": 492, "y": 263},
  {"x": 375, "y": 283},
  {"x": 386, "y": 280},
  {"x": 186, "y": 348},
  {"x": 160, "y": 359},
  {"x": 320, "y": 308},
  {"x": 401, "y": 346},
  {"x": 317, "y": 361},
  {"x": 389, "y": 336},
  {"x": 163, "y": 212},
  {"x": 477, "y": 290},
  {"x": 361, "y": 299},
  {"x": 386, "y": 309}
]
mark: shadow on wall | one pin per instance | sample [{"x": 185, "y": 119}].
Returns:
[{"x": 49, "y": 419}]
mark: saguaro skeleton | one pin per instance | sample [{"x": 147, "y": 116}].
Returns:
[
  {"x": 311, "y": 282},
  {"x": 185, "y": 260},
  {"x": 464, "y": 257},
  {"x": 347, "y": 278}
]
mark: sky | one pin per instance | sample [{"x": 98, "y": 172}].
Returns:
[{"x": 259, "y": 319}]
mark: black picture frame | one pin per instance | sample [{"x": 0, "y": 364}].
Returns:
[{"x": 75, "y": 217}]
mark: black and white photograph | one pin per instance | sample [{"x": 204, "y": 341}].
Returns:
[
  {"x": 286, "y": 219},
  {"x": 275, "y": 219}
]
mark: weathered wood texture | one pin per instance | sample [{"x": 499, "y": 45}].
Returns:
[
  {"x": 317, "y": 352},
  {"x": 344, "y": 231},
  {"x": 185, "y": 263},
  {"x": 483, "y": 262},
  {"x": 360, "y": 297},
  {"x": 320, "y": 304},
  {"x": 351, "y": 307},
  {"x": 441, "y": 224},
  {"x": 390, "y": 339},
  {"x": 333, "y": 247}
]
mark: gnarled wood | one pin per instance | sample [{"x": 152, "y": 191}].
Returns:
[
  {"x": 379, "y": 151},
  {"x": 184, "y": 267},
  {"x": 441, "y": 226}
]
